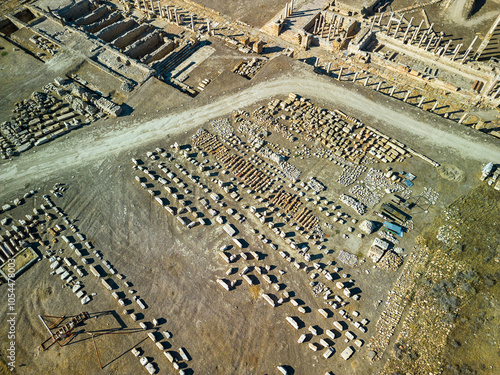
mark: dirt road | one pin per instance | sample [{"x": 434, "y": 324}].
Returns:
[{"x": 93, "y": 144}]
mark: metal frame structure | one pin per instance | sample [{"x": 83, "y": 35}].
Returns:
[{"x": 62, "y": 334}]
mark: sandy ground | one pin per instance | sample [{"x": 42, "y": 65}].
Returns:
[
  {"x": 236, "y": 333},
  {"x": 87, "y": 147},
  {"x": 255, "y": 12},
  {"x": 174, "y": 269},
  {"x": 456, "y": 12}
]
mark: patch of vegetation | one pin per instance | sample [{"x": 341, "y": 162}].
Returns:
[
  {"x": 458, "y": 299},
  {"x": 479, "y": 213},
  {"x": 403, "y": 351},
  {"x": 4, "y": 53},
  {"x": 442, "y": 293},
  {"x": 255, "y": 292},
  {"x": 3, "y": 367},
  {"x": 459, "y": 370}
]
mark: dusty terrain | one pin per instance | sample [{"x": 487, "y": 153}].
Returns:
[
  {"x": 254, "y": 13},
  {"x": 451, "y": 309},
  {"x": 111, "y": 211},
  {"x": 455, "y": 304},
  {"x": 125, "y": 134}
]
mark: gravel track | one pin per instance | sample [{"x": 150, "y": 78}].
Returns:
[{"x": 90, "y": 145}]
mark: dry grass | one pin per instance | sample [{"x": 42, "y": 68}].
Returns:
[
  {"x": 452, "y": 301},
  {"x": 4, "y": 370},
  {"x": 255, "y": 292}
]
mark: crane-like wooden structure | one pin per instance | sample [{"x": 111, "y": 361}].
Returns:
[{"x": 61, "y": 334}]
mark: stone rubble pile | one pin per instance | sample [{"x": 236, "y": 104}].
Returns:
[
  {"x": 315, "y": 185},
  {"x": 350, "y": 174},
  {"x": 381, "y": 185},
  {"x": 289, "y": 171},
  {"x": 249, "y": 129},
  {"x": 430, "y": 194},
  {"x": 388, "y": 236},
  {"x": 359, "y": 207},
  {"x": 347, "y": 258},
  {"x": 222, "y": 127},
  {"x": 364, "y": 195},
  {"x": 408, "y": 224},
  {"x": 390, "y": 261},
  {"x": 44, "y": 44},
  {"x": 448, "y": 234},
  {"x": 267, "y": 153},
  {"x": 44, "y": 116},
  {"x": 367, "y": 226},
  {"x": 396, "y": 302},
  {"x": 249, "y": 69},
  {"x": 323, "y": 153}
]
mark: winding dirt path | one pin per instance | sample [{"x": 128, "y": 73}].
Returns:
[{"x": 90, "y": 145}]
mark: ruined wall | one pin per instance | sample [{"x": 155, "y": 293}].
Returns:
[
  {"x": 160, "y": 53},
  {"x": 144, "y": 45},
  {"x": 7, "y": 27},
  {"x": 25, "y": 15},
  {"x": 93, "y": 16},
  {"x": 113, "y": 31},
  {"x": 76, "y": 11},
  {"x": 324, "y": 43},
  {"x": 309, "y": 26},
  {"x": 130, "y": 36},
  {"x": 97, "y": 26},
  {"x": 470, "y": 7}
]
